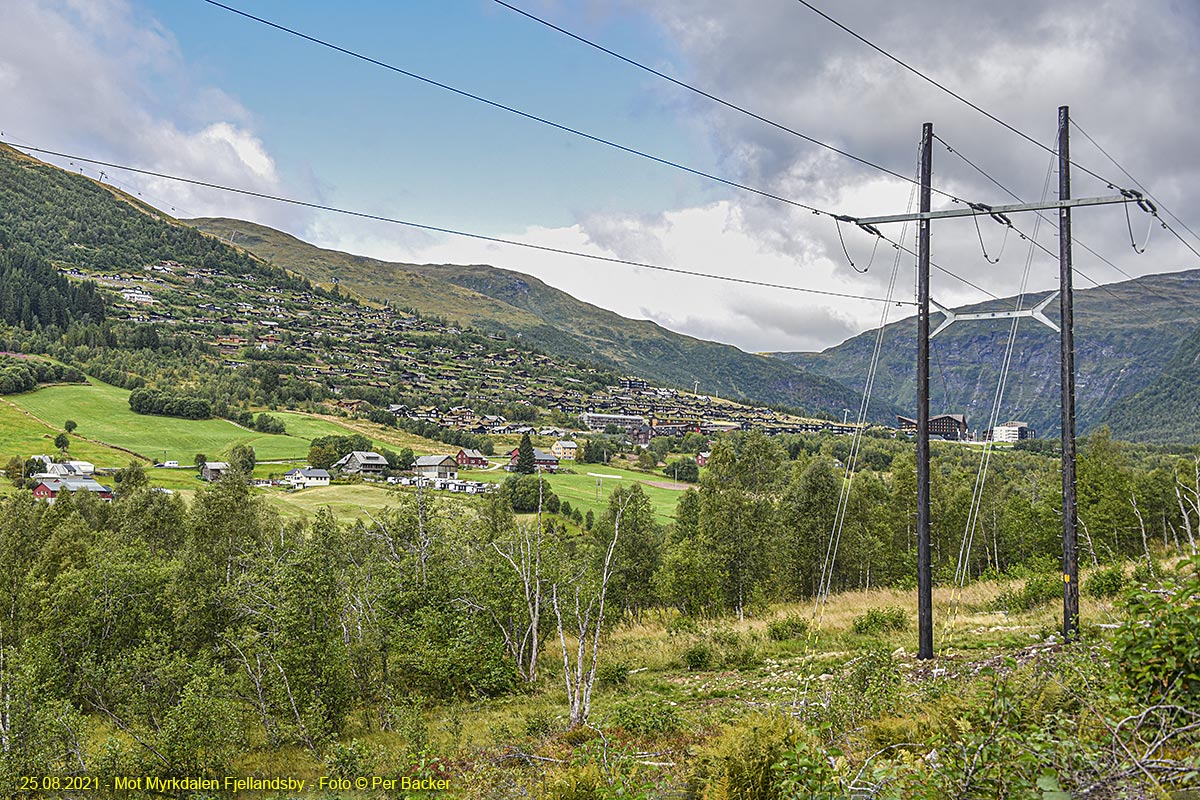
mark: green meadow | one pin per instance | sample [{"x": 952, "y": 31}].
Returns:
[{"x": 103, "y": 414}]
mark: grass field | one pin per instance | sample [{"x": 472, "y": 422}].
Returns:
[
  {"x": 103, "y": 414},
  {"x": 348, "y": 503},
  {"x": 23, "y": 435},
  {"x": 580, "y": 489}
]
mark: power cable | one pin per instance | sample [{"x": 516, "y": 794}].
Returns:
[
  {"x": 1135, "y": 181},
  {"x": 719, "y": 100},
  {"x": 900, "y": 62},
  {"x": 577, "y": 132},
  {"x": 1006, "y": 125},
  {"x": 527, "y": 115},
  {"x": 455, "y": 232}
]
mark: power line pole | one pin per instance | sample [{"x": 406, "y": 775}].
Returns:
[
  {"x": 1070, "y": 559},
  {"x": 1063, "y": 204},
  {"x": 924, "y": 570}
]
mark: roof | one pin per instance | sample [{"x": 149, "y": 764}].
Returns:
[
  {"x": 432, "y": 461},
  {"x": 363, "y": 457},
  {"x": 565, "y": 443},
  {"x": 218, "y": 465},
  {"x": 472, "y": 453},
  {"x": 73, "y": 484},
  {"x": 310, "y": 472}
]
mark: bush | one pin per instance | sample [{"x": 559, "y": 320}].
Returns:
[
  {"x": 698, "y": 656},
  {"x": 793, "y": 626},
  {"x": 682, "y": 625},
  {"x": 738, "y": 764},
  {"x": 1145, "y": 572},
  {"x": 645, "y": 716},
  {"x": 881, "y": 620},
  {"x": 1157, "y": 646},
  {"x": 612, "y": 673},
  {"x": 1038, "y": 589},
  {"x": 1105, "y": 583}
]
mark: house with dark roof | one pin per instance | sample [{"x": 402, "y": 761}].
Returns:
[
  {"x": 542, "y": 460},
  {"x": 361, "y": 462},
  {"x": 947, "y": 426},
  {"x": 304, "y": 478}
]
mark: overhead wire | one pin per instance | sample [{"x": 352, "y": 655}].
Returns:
[
  {"x": 962, "y": 567},
  {"x": 577, "y": 132},
  {"x": 715, "y": 98},
  {"x": 839, "y": 521},
  {"x": 905, "y": 65},
  {"x": 453, "y": 231},
  {"x": 1136, "y": 182},
  {"x": 900, "y": 62}
]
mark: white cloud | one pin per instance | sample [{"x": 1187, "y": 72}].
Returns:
[{"x": 88, "y": 82}]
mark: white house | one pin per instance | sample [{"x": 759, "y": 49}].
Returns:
[
  {"x": 304, "y": 478},
  {"x": 443, "y": 467}
]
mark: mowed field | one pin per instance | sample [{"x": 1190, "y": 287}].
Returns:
[
  {"x": 103, "y": 414},
  {"x": 109, "y": 433},
  {"x": 582, "y": 492}
]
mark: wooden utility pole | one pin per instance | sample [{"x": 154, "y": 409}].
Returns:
[
  {"x": 1063, "y": 204},
  {"x": 924, "y": 570},
  {"x": 1070, "y": 559}
]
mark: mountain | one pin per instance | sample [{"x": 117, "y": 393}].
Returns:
[
  {"x": 1130, "y": 339},
  {"x": 493, "y": 299}
]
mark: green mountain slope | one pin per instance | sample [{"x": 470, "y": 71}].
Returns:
[
  {"x": 1125, "y": 335},
  {"x": 1168, "y": 409},
  {"x": 552, "y": 320}
]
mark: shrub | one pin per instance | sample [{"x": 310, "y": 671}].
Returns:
[
  {"x": 1105, "y": 583},
  {"x": 881, "y": 620},
  {"x": 738, "y": 764},
  {"x": 793, "y": 626},
  {"x": 682, "y": 625},
  {"x": 612, "y": 673},
  {"x": 1146, "y": 572},
  {"x": 1038, "y": 589},
  {"x": 645, "y": 716},
  {"x": 698, "y": 656},
  {"x": 1157, "y": 645}
]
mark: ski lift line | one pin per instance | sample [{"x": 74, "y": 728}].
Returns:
[{"x": 468, "y": 234}]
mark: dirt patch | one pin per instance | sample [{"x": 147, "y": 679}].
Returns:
[{"x": 679, "y": 487}]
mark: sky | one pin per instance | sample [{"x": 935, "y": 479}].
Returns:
[{"x": 188, "y": 88}]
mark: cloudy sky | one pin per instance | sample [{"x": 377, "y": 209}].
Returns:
[{"x": 187, "y": 88}]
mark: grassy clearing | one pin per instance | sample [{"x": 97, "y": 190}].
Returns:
[
  {"x": 349, "y": 502},
  {"x": 23, "y": 435},
  {"x": 580, "y": 490},
  {"x": 103, "y": 414}
]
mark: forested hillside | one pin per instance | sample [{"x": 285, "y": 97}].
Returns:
[
  {"x": 553, "y": 321},
  {"x": 1125, "y": 335}
]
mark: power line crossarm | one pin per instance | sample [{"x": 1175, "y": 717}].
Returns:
[{"x": 979, "y": 210}]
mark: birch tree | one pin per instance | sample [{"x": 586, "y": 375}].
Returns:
[{"x": 584, "y": 599}]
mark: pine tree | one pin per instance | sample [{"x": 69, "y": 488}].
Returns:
[{"x": 526, "y": 462}]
